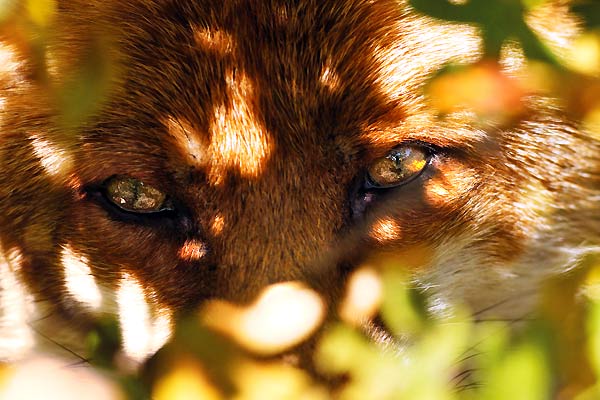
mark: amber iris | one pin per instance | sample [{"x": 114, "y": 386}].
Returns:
[
  {"x": 398, "y": 167},
  {"x": 133, "y": 195}
]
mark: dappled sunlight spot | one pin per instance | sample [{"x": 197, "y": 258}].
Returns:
[
  {"x": 536, "y": 199},
  {"x": 363, "y": 296},
  {"x": 453, "y": 183},
  {"x": 437, "y": 193},
  {"x": 79, "y": 279},
  {"x": 386, "y": 230},
  {"x": 15, "y": 307},
  {"x": 238, "y": 141},
  {"x": 56, "y": 161},
  {"x": 187, "y": 140},
  {"x": 215, "y": 40},
  {"x": 258, "y": 381},
  {"x": 217, "y": 225},
  {"x": 192, "y": 250},
  {"x": 556, "y": 29},
  {"x": 512, "y": 58},
  {"x": 398, "y": 77},
  {"x": 8, "y": 62},
  {"x": 143, "y": 330},
  {"x": 186, "y": 380},
  {"x": 46, "y": 378},
  {"x": 282, "y": 15},
  {"x": 284, "y": 315},
  {"x": 329, "y": 77}
]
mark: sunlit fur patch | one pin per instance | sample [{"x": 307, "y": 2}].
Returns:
[
  {"x": 192, "y": 250},
  {"x": 535, "y": 202},
  {"x": 7, "y": 60},
  {"x": 217, "y": 225},
  {"x": 282, "y": 16},
  {"x": 15, "y": 305},
  {"x": 433, "y": 47},
  {"x": 363, "y": 296},
  {"x": 55, "y": 161},
  {"x": 424, "y": 127},
  {"x": 512, "y": 58},
  {"x": 283, "y": 315},
  {"x": 215, "y": 40},
  {"x": 79, "y": 279},
  {"x": 453, "y": 182},
  {"x": 144, "y": 330},
  {"x": 237, "y": 140},
  {"x": 385, "y": 230},
  {"x": 329, "y": 77},
  {"x": 8, "y": 63},
  {"x": 556, "y": 27},
  {"x": 187, "y": 140}
]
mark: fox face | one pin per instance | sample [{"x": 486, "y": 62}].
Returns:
[{"x": 242, "y": 144}]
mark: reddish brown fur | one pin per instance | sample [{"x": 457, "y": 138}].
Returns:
[{"x": 192, "y": 76}]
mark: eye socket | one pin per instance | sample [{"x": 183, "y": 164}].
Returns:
[
  {"x": 132, "y": 195},
  {"x": 400, "y": 166}
]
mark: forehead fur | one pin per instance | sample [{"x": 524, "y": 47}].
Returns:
[{"x": 299, "y": 67}]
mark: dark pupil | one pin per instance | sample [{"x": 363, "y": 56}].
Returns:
[{"x": 398, "y": 157}]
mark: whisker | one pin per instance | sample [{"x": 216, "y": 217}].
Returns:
[
  {"x": 61, "y": 346},
  {"x": 463, "y": 375},
  {"x": 502, "y": 302},
  {"x": 469, "y": 386}
]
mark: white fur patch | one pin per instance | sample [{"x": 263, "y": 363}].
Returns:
[
  {"x": 144, "y": 330},
  {"x": 15, "y": 306},
  {"x": 79, "y": 279}
]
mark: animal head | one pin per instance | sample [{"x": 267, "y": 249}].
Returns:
[{"x": 244, "y": 143}]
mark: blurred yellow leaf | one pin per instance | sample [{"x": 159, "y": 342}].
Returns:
[
  {"x": 275, "y": 381},
  {"x": 41, "y": 12},
  {"x": 283, "y": 315},
  {"x": 584, "y": 54},
  {"x": 398, "y": 309},
  {"x": 185, "y": 381}
]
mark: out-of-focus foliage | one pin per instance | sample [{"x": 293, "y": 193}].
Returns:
[
  {"x": 27, "y": 25},
  {"x": 556, "y": 356},
  {"x": 569, "y": 74},
  {"x": 499, "y": 21}
]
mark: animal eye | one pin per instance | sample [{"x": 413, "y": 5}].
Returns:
[
  {"x": 400, "y": 166},
  {"x": 133, "y": 195}
]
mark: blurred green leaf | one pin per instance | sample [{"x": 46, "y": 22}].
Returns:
[
  {"x": 589, "y": 11},
  {"x": 402, "y": 309},
  {"x": 499, "y": 20},
  {"x": 85, "y": 91}
]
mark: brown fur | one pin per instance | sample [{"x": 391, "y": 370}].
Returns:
[{"x": 259, "y": 119}]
